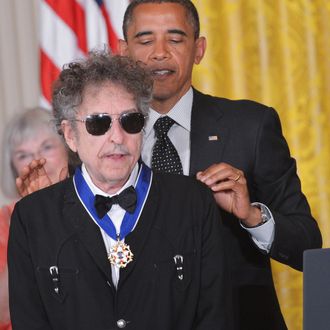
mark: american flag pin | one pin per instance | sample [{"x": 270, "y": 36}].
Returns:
[{"x": 213, "y": 138}]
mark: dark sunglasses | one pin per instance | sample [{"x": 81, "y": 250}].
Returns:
[{"x": 99, "y": 124}]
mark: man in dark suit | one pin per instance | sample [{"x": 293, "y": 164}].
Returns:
[
  {"x": 92, "y": 252},
  {"x": 226, "y": 144}
]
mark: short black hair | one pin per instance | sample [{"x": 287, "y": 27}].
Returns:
[{"x": 190, "y": 8}]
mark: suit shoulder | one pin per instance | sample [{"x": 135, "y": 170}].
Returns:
[
  {"x": 49, "y": 194},
  {"x": 244, "y": 107},
  {"x": 181, "y": 185}
]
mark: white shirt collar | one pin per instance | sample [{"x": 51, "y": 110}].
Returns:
[
  {"x": 180, "y": 113},
  {"x": 95, "y": 190}
]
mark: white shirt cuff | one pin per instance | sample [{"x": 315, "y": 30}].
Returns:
[{"x": 263, "y": 235}]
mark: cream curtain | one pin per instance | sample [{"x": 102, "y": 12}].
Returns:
[
  {"x": 278, "y": 52},
  {"x": 19, "y": 77}
]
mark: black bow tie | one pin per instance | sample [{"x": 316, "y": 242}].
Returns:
[{"x": 126, "y": 199}]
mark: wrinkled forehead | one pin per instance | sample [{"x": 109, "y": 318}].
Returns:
[
  {"x": 106, "y": 97},
  {"x": 107, "y": 89}
]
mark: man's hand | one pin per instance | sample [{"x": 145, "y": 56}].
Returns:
[
  {"x": 34, "y": 177},
  {"x": 230, "y": 191}
]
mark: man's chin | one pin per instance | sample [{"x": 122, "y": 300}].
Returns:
[
  {"x": 118, "y": 171},
  {"x": 161, "y": 96},
  {"x": 116, "y": 178}
]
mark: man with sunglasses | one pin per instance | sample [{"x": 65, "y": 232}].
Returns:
[{"x": 115, "y": 246}]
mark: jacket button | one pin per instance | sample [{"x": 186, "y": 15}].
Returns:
[{"x": 121, "y": 324}]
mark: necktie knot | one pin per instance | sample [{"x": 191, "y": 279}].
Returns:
[
  {"x": 162, "y": 126},
  {"x": 126, "y": 199}
]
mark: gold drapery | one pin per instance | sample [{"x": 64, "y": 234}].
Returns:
[{"x": 278, "y": 52}]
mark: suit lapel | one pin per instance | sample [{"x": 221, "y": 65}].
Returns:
[
  {"x": 208, "y": 134},
  {"x": 87, "y": 231},
  {"x": 137, "y": 238}
]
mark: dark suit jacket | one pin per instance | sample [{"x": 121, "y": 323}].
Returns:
[
  {"x": 250, "y": 139},
  {"x": 52, "y": 228}
]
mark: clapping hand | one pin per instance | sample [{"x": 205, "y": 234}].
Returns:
[{"x": 34, "y": 177}]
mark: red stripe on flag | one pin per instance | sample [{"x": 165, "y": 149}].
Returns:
[
  {"x": 112, "y": 36},
  {"x": 74, "y": 16},
  {"x": 48, "y": 73}
]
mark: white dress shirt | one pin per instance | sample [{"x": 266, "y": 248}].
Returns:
[
  {"x": 179, "y": 134},
  {"x": 116, "y": 214}
]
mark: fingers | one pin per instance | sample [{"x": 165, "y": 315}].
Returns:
[
  {"x": 64, "y": 173},
  {"x": 36, "y": 164},
  {"x": 229, "y": 188},
  {"x": 21, "y": 189},
  {"x": 32, "y": 177},
  {"x": 226, "y": 185},
  {"x": 221, "y": 174},
  {"x": 238, "y": 177}
]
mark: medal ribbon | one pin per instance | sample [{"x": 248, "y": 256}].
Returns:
[{"x": 87, "y": 198}]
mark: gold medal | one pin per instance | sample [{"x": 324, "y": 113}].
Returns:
[{"x": 120, "y": 255}]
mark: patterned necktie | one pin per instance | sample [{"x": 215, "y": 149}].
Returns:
[
  {"x": 165, "y": 157},
  {"x": 126, "y": 200}
]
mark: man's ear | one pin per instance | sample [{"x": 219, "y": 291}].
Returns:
[
  {"x": 69, "y": 135},
  {"x": 200, "y": 44},
  {"x": 123, "y": 47}
]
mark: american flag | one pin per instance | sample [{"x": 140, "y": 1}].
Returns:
[{"x": 70, "y": 28}]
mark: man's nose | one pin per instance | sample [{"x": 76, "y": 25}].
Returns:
[
  {"x": 160, "y": 50},
  {"x": 116, "y": 132}
]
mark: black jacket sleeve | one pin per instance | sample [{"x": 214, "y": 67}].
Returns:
[
  {"x": 26, "y": 308},
  {"x": 278, "y": 186}
]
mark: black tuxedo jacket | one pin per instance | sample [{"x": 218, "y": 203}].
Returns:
[
  {"x": 249, "y": 137},
  {"x": 52, "y": 228}
]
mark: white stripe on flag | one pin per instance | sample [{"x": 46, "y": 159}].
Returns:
[
  {"x": 57, "y": 40},
  {"x": 116, "y": 10},
  {"x": 97, "y": 34}
]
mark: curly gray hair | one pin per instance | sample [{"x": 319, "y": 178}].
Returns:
[{"x": 98, "y": 68}]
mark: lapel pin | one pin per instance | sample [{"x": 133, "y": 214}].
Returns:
[{"x": 213, "y": 138}]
